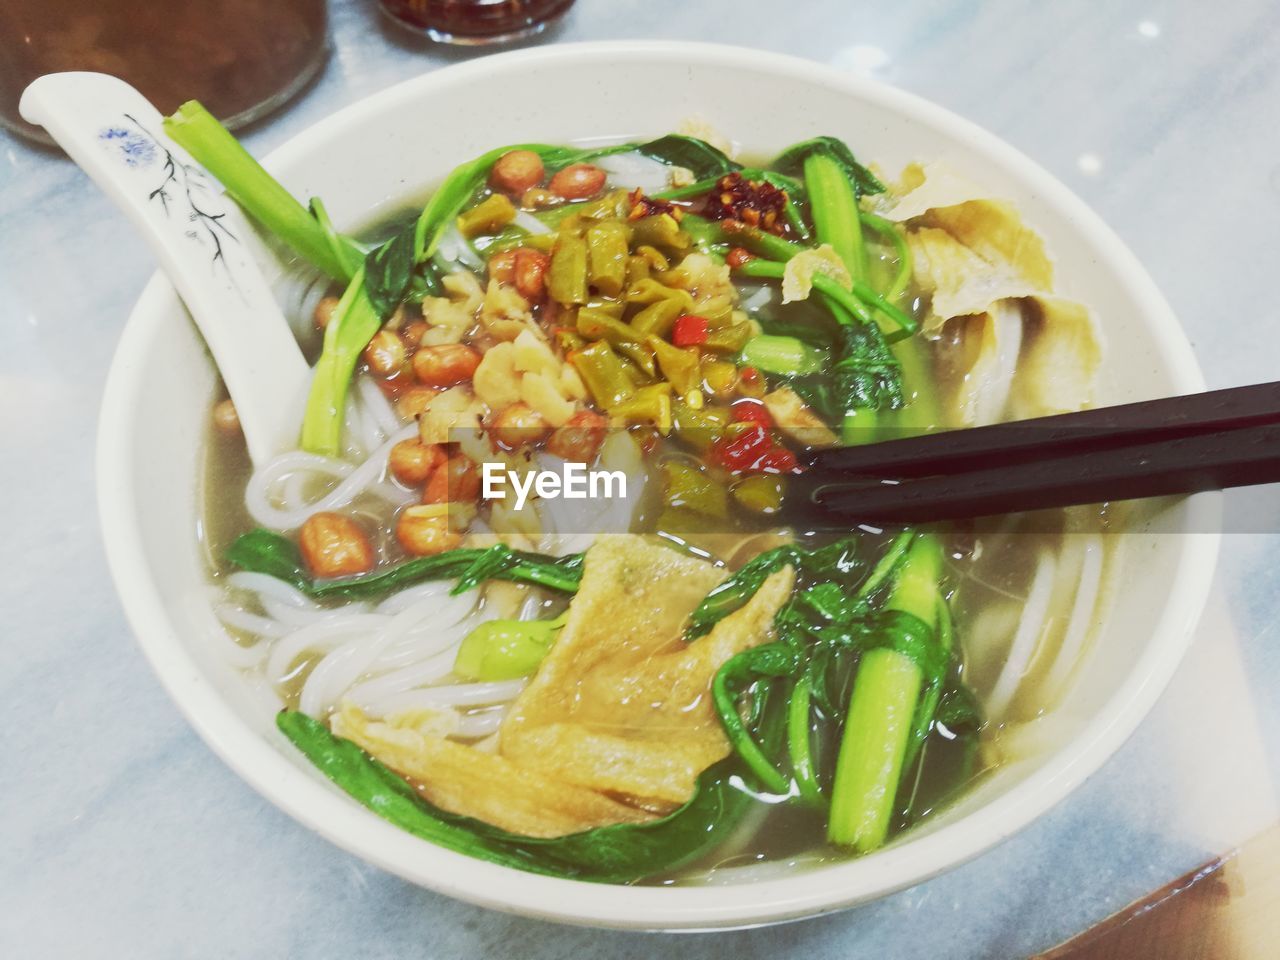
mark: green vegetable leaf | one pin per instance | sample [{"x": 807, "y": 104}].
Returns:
[
  {"x": 260, "y": 194},
  {"x": 388, "y": 271},
  {"x": 616, "y": 854},
  {"x": 783, "y": 355},
  {"x": 262, "y": 551},
  {"x": 354, "y": 322},
  {"x": 866, "y": 375},
  {"x": 733, "y": 592},
  {"x": 697, "y": 156},
  {"x": 791, "y": 162}
]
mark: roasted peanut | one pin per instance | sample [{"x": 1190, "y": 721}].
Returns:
[
  {"x": 580, "y": 438},
  {"x": 519, "y": 425},
  {"x": 538, "y": 198},
  {"x": 529, "y": 273},
  {"x": 456, "y": 481},
  {"x": 413, "y": 401},
  {"x": 385, "y": 355},
  {"x": 412, "y": 461},
  {"x": 333, "y": 545},
  {"x": 424, "y": 530},
  {"x": 412, "y": 333},
  {"x": 225, "y": 418},
  {"x": 516, "y": 171},
  {"x": 578, "y": 181},
  {"x": 445, "y": 365},
  {"x": 324, "y": 311}
]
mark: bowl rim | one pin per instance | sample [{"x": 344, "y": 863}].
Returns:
[{"x": 322, "y": 807}]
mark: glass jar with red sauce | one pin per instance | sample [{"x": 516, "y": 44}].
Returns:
[
  {"x": 240, "y": 58},
  {"x": 473, "y": 22}
]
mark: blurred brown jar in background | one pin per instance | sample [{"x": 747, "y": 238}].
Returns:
[
  {"x": 240, "y": 58},
  {"x": 473, "y": 22}
]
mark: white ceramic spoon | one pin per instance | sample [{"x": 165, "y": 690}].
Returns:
[{"x": 196, "y": 232}]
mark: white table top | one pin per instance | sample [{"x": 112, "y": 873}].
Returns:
[{"x": 122, "y": 834}]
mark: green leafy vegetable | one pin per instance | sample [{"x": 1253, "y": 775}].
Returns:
[
  {"x": 388, "y": 271},
  {"x": 865, "y": 374},
  {"x": 786, "y": 356},
  {"x": 616, "y": 854},
  {"x": 345, "y": 250},
  {"x": 767, "y": 662},
  {"x": 791, "y": 161},
  {"x": 698, "y": 156},
  {"x": 354, "y": 322},
  {"x": 883, "y": 704},
  {"x": 260, "y": 194},
  {"x": 735, "y": 591},
  {"x": 261, "y": 551}
]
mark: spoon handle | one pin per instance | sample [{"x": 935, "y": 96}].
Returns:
[{"x": 196, "y": 232}]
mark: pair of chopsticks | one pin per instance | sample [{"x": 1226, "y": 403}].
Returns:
[{"x": 1205, "y": 441}]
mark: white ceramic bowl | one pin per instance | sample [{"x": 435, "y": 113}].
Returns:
[{"x": 369, "y": 158}]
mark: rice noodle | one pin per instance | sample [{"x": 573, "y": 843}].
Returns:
[
  {"x": 1030, "y": 628},
  {"x": 635, "y": 170},
  {"x": 1080, "y": 620},
  {"x": 453, "y": 249},
  {"x": 378, "y": 407},
  {"x": 353, "y": 481},
  {"x": 530, "y": 224}
]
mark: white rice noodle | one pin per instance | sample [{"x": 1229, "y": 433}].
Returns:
[
  {"x": 1081, "y": 618},
  {"x": 250, "y": 623},
  {"x": 267, "y": 586},
  {"x": 338, "y": 671},
  {"x": 299, "y": 289},
  {"x": 283, "y": 509},
  {"x": 393, "y": 658},
  {"x": 1026, "y": 639},
  {"x": 570, "y": 526},
  {"x": 527, "y": 222},
  {"x": 242, "y": 656},
  {"x": 455, "y": 249},
  {"x": 633, "y": 170},
  {"x": 377, "y": 409},
  {"x": 473, "y": 726}
]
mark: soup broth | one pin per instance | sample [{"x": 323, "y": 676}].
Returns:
[{"x": 576, "y": 685}]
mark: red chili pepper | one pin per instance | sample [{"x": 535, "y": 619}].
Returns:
[
  {"x": 751, "y": 411},
  {"x": 741, "y": 451},
  {"x": 690, "y": 330}
]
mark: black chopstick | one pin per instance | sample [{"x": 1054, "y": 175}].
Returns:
[
  {"x": 1090, "y": 431},
  {"x": 1184, "y": 464}
]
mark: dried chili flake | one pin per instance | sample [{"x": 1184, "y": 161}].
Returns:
[
  {"x": 757, "y": 203},
  {"x": 645, "y": 206}
]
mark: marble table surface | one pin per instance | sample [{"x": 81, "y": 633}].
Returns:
[{"x": 122, "y": 835}]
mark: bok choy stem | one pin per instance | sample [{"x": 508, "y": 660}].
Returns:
[
  {"x": 354, "y": 322},
  {"x": 198, "y": 132},
  {"x": 882, "y": 707},
  {"x": 835, "y": 211}
]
